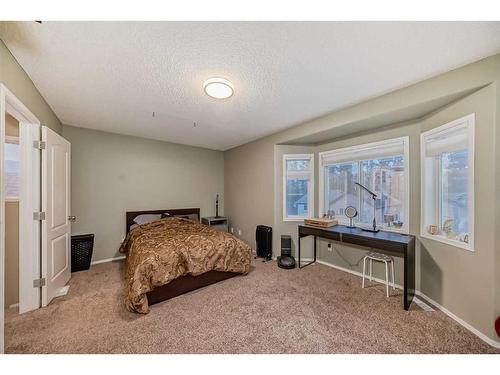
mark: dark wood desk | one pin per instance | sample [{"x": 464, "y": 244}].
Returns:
[{"x": 395, "y": 244}]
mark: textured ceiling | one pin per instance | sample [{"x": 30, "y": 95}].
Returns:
[{"x": 113, "y": 75}]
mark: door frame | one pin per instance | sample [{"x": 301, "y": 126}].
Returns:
[{"x": 29, "y": 235}]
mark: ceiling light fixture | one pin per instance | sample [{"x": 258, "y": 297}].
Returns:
[{"x": 218, "y": 88}]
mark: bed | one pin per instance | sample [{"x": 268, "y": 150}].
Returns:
[{"x": 174, "y": 253}]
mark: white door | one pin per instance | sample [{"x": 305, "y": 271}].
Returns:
[
  {"x": 29, "y": 238},
  {"x": 56, "y": 228}
]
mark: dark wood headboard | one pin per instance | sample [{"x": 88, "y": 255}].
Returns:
[{"x": 131, "y": 215}]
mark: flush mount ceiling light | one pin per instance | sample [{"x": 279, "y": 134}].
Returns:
[{"x": 218, "y": 88}]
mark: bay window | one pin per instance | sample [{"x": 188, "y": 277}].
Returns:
[
  {"x": 298, "y": 186},
  {"x": 448, "y": 183},
  {"x": 382, "y": 167}
]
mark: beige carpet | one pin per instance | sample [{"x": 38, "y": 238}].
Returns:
[{"x": 314, "y": 310}]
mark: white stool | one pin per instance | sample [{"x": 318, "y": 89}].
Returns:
[{"x": 379, "y": 258}]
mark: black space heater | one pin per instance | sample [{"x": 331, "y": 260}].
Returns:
[
  {"x": 264, "y": 241},
  {"x": 286, "y": 259}
]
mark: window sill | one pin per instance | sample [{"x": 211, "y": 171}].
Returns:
[
  {"x": 294, "y": 219},
  {"x": 395, "y": 230},
  {"x": 381, "y": 228},
  {"x": 447, "y": 241}
]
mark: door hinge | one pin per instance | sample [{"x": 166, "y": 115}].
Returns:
[
  {"x": 39, "y": 145},
  {"x": 39, "y": 215},
  {"x": 38, "y": 283}
]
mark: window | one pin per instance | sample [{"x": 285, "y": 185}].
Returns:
[
  {"x": 382, "y": 168},
  {"x": 11, "y": 170},
  {"x": 448, "y": 183},
  {"x": 298, "y": 187}
]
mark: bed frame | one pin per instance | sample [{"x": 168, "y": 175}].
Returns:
[
  {"x": 130, "y": 216},
  {"x": 183, "y": 284}
]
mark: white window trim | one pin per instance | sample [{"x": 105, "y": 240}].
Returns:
[
  {"x": 470, "y": 121},
  {"x": 310, "y": 188},
  {"x": 12, "y": 139},
  {"x": 406, "y": 145}
]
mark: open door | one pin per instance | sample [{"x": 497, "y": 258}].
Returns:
[
  {"x": 29, "y": 239},
  {"x": 56, "y": 226}
]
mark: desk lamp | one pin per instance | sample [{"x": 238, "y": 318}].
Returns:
[{"x": 374, "y": 196}]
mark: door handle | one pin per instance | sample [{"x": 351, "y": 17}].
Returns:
[{"x": 72, "y": 218}]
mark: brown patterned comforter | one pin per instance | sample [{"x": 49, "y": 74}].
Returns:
[{"x": 163, "y": 250}]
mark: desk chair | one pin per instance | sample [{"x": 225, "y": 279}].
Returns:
[{"x": 371, "y": 256}]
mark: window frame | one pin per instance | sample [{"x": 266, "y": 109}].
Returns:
[
  {"x": 310, "y": 187},
  {"x": 405, "y": 229},
  {"x": 469, "y": 121},
  {"x": 13, "y": 139}
]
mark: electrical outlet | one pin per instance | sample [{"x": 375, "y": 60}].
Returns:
[
  {"x": 239, "y": 232},
  {"x": 232, "y": 230},
  {"x": 330, "y": 248}
]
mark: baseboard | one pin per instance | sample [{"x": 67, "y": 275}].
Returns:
[
  {"x": 14, "y": 305},
  {"x": 463, "y": 323},
  {"x": 108, "y": 260}
]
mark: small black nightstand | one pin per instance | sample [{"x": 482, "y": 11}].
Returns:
[{"x": 218, "y": 223}]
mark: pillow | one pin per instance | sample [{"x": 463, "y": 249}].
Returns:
[
  {"x": 193, "y": 217},
  {"x": 146, "y": 218}
]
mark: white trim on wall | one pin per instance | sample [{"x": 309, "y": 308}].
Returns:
[{"x": 120, "y": 257}]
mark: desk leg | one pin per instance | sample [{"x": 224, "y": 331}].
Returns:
[
  {"x": 315, "y": 248},
  {"x": 299, "y": 249},
  {"x": 300, "y": 265},
  {"x": 409, "y": 275}
]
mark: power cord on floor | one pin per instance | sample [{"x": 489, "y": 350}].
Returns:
[{"x": 345, "y": 260}]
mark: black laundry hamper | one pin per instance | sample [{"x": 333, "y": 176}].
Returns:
[{"x": 82, "y": 246}]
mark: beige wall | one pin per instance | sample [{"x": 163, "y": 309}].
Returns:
[
  {"x": 342, "y": 255},
  {"x": 249, "y": 170},
  {"x": 441, "y": 268},
  {"x": 469, "y": 288},
  {"x": 19, "y": 83},
  {"x": 11, "y": 234},
  {"x": 249, "y": 175},
  {"x": 461, "y": 280},
  {"x": 112, "y": 174}
]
